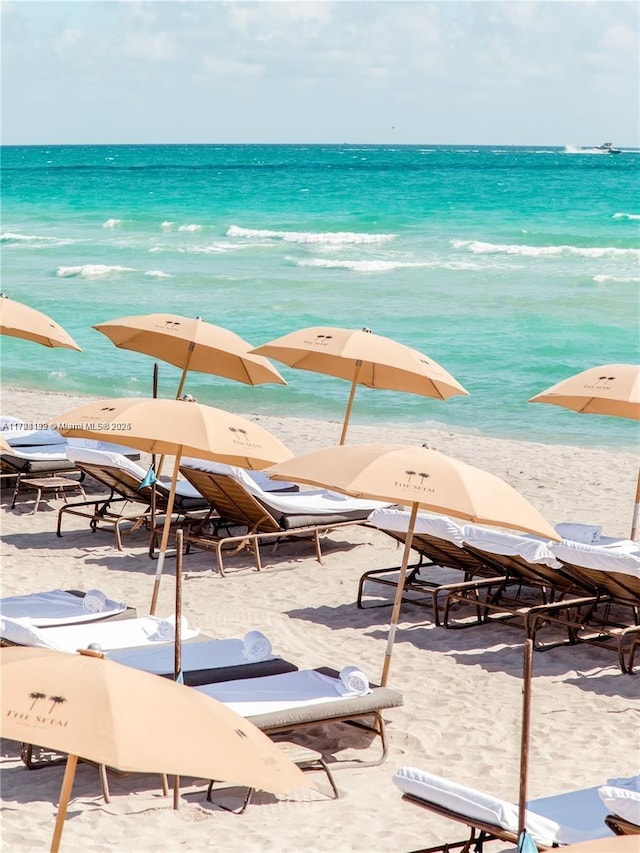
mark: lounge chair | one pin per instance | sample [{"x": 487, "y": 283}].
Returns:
[
  {"x": 282, "y": 703},
  {"x": 63, "y": 607},
  {"x": 43, "y": 460},
  {"x": 551, "y": 821},
  {"x": 238, "y": 501},
  {"x": 440, "y": 544},
  {"x": 146, "y": 643},
  {"x": 533, "y": 578},
  {"x": 42, "y": 453},
  {"x": 108, "y": 635},
  {"x": 124, "y": 479},
  {"x": 612, "y": 570}
]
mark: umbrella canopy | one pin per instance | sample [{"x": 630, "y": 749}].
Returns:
[
  {"x": 176, "y": 428},
  {"x": 615, "y": 844},
  {"x": 191, "y": 344},
  {"x": 418, "y": 477},
  {"x": 20, "y": 321},
  {"x": 128, "y": 719},
  {"x": 362, "y": 358},
  {"x": 609, "y": 389}
]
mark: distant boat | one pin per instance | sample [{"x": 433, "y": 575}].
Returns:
[{"x": 607, "y": 148}]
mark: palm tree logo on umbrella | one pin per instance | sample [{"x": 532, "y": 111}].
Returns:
[
  {"x": 56, "y": 700},
  {"x": 36, "y": 696},
  {"x": 421, "y": 474}
]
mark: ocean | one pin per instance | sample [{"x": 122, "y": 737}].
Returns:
[{"x": 512, "y": 267}]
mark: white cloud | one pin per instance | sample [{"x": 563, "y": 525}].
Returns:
[
  {"x": 67, "y": 40},
  {"x": 620, "y": 37},
  {"x": 153, "y": 47},
  {"x": 344, "y": 65},
  {"x": 220, "y": 67}
]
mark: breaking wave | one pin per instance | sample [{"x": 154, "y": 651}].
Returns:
[
  {"x": 332, "y": 237},
  {"x": 35, "y": 241},
  {"x": 377, "y": 265},
  {"x": 91, "y": 271},
  {"x": 477, "y": 247}
]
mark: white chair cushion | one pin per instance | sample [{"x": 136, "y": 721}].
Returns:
[
  {"x": 618, "y": 557},
  {"x": 440, "y": 526},
  {"x": 509, "y": 544},
  {"x": 311, "y": 502},
  {"x": 622, "y": 798},
  {"x": 555, "y": 822},
  {"x": 20, "y": 437},
  {"x": 117, "y": 460}
]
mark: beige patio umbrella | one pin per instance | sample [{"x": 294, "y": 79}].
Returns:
[
  {"x": 608, "y": 389},
  {"x": 175, "y": 428},
  {"x": 363, "y": 359},
  {"x": 133, "y": 721},
  {"x": 20, "y": 321},
  {"x": 421, "y": 478},
  {"x": 615, "y": 844},
  {"x": 191, "y": 344}
]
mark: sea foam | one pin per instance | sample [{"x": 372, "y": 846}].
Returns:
[
  {"x": 112, "y": 223},
  {"x": 477, "y": 247},
  {"x": 34, "y": 241},
  {"x": 91, "y": 271},
  {"x": 616, "y": 279},
  {"x": 334, "y": 237},
  {"x": 361, "y": 266},
  {"x": 626, "y": 215},
  {"x": 210, "y": 249}
]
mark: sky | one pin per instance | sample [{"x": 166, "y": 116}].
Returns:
[{"x": 561, "y": 72}]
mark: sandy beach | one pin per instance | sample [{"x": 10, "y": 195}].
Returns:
[{"x": 462, "y": 689}]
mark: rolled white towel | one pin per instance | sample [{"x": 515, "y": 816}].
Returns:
[
  {"x": 353, "y": 681},
  {"x": 256, "y": 646},
  {"x": 167, "y": 627},
  {"x": 94, "y": 601},
  {"x": 587, "y": 534}
]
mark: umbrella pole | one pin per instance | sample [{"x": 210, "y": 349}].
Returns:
[
  {"x": 165, "y": 534},
  {"x": 153, "y": 456},
  {"x": 181, "y": 385},
  {"x": 183, "y": 378},
  {"x": 636, "y": 511},
  {"x": 395, "y": 615},
  {"x": 177, "y": 659},
  {"x": 524, "y": 745},
  {"x": 65, "y": 795},
  {"x": 177, "y": 654},
  {"x": 347, "y": 416},
  {"x": 185, "y": 368}
]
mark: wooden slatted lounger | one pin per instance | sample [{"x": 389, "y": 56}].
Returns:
[{"x": 260, "y": 516}]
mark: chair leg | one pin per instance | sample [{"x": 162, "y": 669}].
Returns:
[
  {"x": 324, "y": 766},
  {"x": 15, "y": 490},
  {"x": 38, "y": 498},
  {"x": 242, "y": 808}
]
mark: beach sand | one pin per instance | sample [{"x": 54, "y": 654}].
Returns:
[{"x": 462, "y": 689}]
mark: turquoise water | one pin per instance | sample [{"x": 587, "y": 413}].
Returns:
[{"x": 512, "y": 267}]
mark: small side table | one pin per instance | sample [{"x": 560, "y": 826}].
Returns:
[
  {"x": 305, "y": 758},
  {"x": 58, "y": 485}
]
